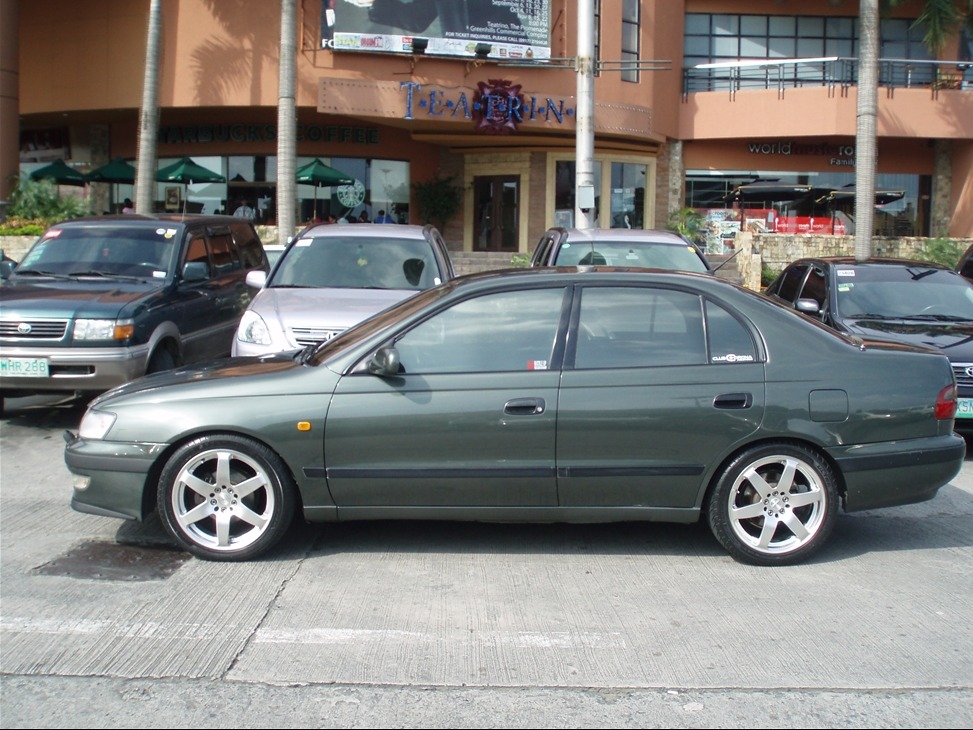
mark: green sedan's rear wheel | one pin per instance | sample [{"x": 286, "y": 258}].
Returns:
[
  {"x": 774, "y": 504},
  {"x": 226, "y": 497}
]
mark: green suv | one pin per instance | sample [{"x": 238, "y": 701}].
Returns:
[{"x": 100, "y": 301}]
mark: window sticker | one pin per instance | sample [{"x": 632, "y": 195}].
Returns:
[
  {"x": 732, "y": 358},
  {"x": 537, "y": 364},
  {"x": 845, "y": 272},
  {"x": 304, "y": 242},
  {"x": 846, "y": 286}
]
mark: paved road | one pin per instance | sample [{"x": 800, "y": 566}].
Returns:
[{"x": 444, "y": 625}]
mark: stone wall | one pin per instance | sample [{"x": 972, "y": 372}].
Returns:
[{"x": 776, "y": 250}]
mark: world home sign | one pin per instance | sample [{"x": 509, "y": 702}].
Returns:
[{"x": 496, "y": 106}]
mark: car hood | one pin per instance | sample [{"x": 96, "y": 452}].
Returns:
[
  {"x": 329, "y": 308},
  {"x": 227, "y": 377},
  {"x": 955, "y": 339},
  {"x": 73, "y": 297}
]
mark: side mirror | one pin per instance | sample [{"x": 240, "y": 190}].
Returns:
[
  {"x": 808, "y": 306},
  {"x": 256, "y": 278},
  {"x": 195, "y": 271},
  {"x": 385, "y": 362},
  {"x": 6, "y": 269}
]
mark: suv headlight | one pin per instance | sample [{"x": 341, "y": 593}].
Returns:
[
  {"x": 103, "y": 329},
  {"x": 253, "y": 329},
  {"x": 95, "y": 425}
]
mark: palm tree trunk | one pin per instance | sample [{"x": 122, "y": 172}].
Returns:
[
  {"x": 287, "y": 123},
  {"x": 865, "y": 132},
  {"x": 149, "y": 114}
]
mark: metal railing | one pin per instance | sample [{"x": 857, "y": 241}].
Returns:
[{"x": 837, "y": 73}]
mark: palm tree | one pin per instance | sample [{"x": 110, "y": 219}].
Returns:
[
  {"x": 149, "y": 114},
  {"x": 941, "y": 19},
  {"x": 286, "y": 123}
]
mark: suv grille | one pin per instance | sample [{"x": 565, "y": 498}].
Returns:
[
  {"x": 33, "y": 329},
  {"x": 963, "y": 372},
  {"x": 312, "y": 335}
]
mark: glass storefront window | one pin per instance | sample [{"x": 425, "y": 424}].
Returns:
[
  {"x": 623, "y": 181},
  {"x": 565, "y": 177},
  {"x": 193, "y": 197},
  {"x": 822, "y": 209},
  {"x": 381, "y": 189},
  {"x": 627, "y": 195}
]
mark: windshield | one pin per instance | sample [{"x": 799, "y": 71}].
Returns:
[
  {"x": 357, "y": 262},
  {"x": 639, "y": 254},
  {"x": 900, "y": 292},
  {"x": 102, "y": 251},
  {"x": 366, "y": 328}
]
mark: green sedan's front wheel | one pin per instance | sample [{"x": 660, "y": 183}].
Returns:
[
  {"x": 774, "y": 504},
  {"x": 226, "y": 497}
]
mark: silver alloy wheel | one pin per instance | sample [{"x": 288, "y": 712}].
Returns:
[
  {"x": 222, "y": 500},
  {"x": 777, "y": 504}
]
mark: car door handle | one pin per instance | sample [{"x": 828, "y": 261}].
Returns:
[
  {"x": 733, "y": 400},
  {"x": 524, "y": 407}
]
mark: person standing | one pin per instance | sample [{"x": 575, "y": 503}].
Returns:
[
  {"x": 128, "y": 207},
  {"x": 244, "y": 210}
]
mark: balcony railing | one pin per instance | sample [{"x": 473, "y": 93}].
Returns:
[{"x": 835, "y": 72}]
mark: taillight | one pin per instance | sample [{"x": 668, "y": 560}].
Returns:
[{"x": 946, "y": 403}]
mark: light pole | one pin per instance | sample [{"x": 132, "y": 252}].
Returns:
[{"x": 584, "y": 192}]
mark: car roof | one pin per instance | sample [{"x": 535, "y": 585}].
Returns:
[
  {"x": 620, "y": 234},
  {"x": 366, "y": 230},
  {"x": 129, "y": 220},
  {"x": 583, "y": 274},
  {"x": 871, "y": 261}
]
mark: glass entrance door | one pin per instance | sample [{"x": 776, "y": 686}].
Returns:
[{"x": 496, "y": 218}]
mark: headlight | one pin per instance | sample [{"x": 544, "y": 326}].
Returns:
[
  {"x": 96, "y": 424},
  {"x": 103, "y": 329},
  {"x": 253, "y": 329}
]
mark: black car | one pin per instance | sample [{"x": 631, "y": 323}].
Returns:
[
  {"x": 97, "y": 302},
  {"x": 623, "y": 247},
  {"x": 965, "y": 264},
  {"x": 918, "y": 302}
]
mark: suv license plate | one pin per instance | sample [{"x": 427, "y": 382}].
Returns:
[{"x": 23, "y": 367}]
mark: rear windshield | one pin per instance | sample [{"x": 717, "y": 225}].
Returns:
[
  {"x": 106, "y": 250},
  {"x": 639, "y": 254},
  {"x": 356, "y": 262}
]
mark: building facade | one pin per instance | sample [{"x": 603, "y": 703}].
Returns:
[{"x": 693, "y": 100}]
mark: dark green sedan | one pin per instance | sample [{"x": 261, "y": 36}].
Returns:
[{"x": 539, "y": 395}]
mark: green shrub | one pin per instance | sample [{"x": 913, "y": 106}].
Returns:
[
  {"x": 687, "y": 222},
  {"x": 35, "y": 205},
  {"x": 438, "y": 200},
  {"x": 941, "y": 251},
  {"x": 767, "y": 275}
]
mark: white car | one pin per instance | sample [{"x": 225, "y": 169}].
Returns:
[
  {"x": 273, "y": 251},
  {"x": 332, "y": 277}
]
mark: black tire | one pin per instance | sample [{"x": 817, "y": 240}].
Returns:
[
  {"x": 160, "y": 361},
  {"x": 203, "y": 507},
  {"x": 774, "y": 504}
]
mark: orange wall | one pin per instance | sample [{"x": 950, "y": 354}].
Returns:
[
  {"x": 80, "y": 57},
  {"x": 818, "y": 111}
]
